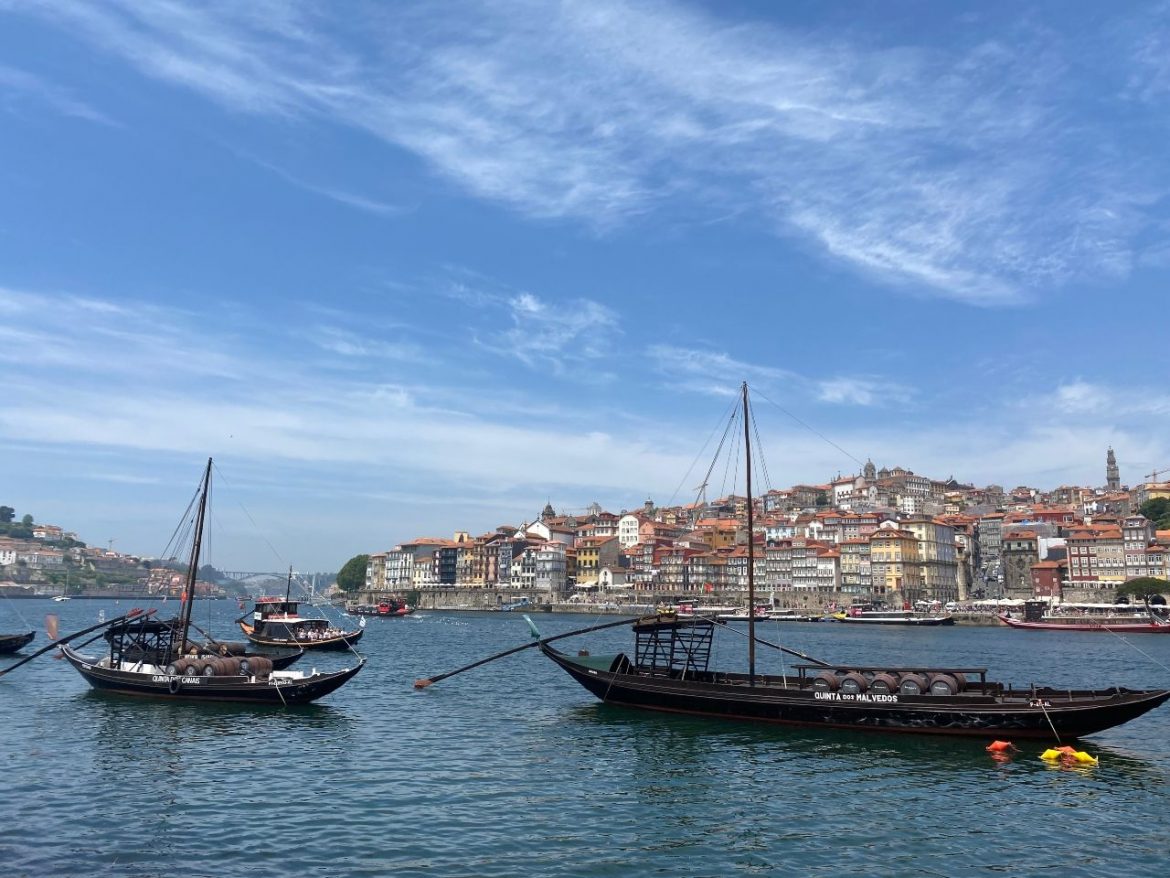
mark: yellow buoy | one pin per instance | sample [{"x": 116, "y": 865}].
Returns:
[{"x": 1068, "y": 754}]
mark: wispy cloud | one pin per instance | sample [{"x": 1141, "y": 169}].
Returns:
[
  {"x": 862, "y": 391},
  {"x": 542, "y": 333},
  {"x": 714, "y": 373},
  {"x": 944, "y": 171},
  {"x": 19, "y": 85},
  {"x": 1088, "y": 398},
  {"x": 341, "y": 196}
]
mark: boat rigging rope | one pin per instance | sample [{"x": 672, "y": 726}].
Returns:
[
  {"x": 1040, "y": 702},
  {"x": 1138, "y": 649},
  {"x": 16, "y": 610}
]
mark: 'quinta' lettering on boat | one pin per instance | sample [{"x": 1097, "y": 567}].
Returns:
[{"x": 861, "y": 696}]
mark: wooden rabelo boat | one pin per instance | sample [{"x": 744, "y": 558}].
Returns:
[
  {"x": 277, "y": 622},
  {"x": 156, "y": 658},
  {"x": 10, "y": 643},
  {"x": 670, "y": 672}
]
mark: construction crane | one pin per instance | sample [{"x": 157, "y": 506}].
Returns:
[{"x": 1153, "y": 476}]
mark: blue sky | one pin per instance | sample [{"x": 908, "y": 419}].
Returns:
[{"x": 407, "y": 268}]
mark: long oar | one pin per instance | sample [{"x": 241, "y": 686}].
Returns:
[
  {"x": 133, "y": 613},
  {"x": 427, "y": 681}
]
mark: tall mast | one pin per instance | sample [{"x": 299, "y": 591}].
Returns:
[
  {"x": 288, "y": 586},
  {"x": 751, "y": 555},
  {"x": 193, "y": 567}
]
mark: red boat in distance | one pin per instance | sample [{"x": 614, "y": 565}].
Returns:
[
  {"x": 1114, "y": 618},
  {"x": 388, "y": 609}
]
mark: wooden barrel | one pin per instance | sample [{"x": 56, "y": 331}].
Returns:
[
  {"x": 256, "y": 665},
  {"x": 883, "y": 684},
  {"x": 853, "y": 683},
  {"x": 826, "y": 681},
  {"x": 229, "y": 666},
  {"x": 943, "y": 684},
  {"x": 913, "y": 684}
]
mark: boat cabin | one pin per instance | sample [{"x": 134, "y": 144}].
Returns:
[{"x": 275, "y": 608}]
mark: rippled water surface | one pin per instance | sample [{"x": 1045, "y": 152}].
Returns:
[{"x": 512, "y": 769}]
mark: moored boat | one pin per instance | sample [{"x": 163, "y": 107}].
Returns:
[
  {"x": 392, "y": 608},
  {"x": 670, "y": 672},
  {"x": 137, "y": 664},
  {"x": 157, "y": 658},
  {"x": 858, "y": 615},
  {"x": 1039, "y": 615},
  {"x": 10, "y": 643}
]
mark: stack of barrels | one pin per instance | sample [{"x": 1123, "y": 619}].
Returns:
[
  {"x": 221, "y": 666},
  {"x": 890, "y": 683}
]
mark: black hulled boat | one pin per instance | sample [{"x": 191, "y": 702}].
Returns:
[
  {"x": 157, "y": 659},
  {"x": 10, "y": 643},
  {"x": 670, "y": 673},
  {"x": 145, "y": 658}
]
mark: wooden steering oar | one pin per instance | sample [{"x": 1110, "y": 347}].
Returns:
[
  {"x": 132, "y": 614},
  {"x": 427, "y": 681}
]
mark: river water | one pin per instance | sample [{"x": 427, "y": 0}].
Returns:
[{"x": 512, "y": 769}]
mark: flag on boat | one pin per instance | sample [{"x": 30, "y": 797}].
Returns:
[{"x": 51, "y": 622}]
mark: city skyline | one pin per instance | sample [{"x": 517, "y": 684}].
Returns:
[{"x": 405, "y": 270}]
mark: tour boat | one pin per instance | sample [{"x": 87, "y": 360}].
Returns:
[
  {"x": 1038, "y": 616},
  {"x": 870, "y": 616},
  {"x": 277, "y": 621}
]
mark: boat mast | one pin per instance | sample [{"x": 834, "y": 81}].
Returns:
[
  {"x": 751, "y": 562},
  {"x": 288, "y": 588},
  {"x": 193, "y": 567}
]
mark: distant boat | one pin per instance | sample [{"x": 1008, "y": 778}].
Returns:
[
  {"x": 157, "y": 657},
  {"x": 390, "y": 608},
  {"x": 277, "y": 621},
  {"x": 1087, "y": 617},
  {"x": 877, "y": 616},
  {"x": 60, "y": 597}
]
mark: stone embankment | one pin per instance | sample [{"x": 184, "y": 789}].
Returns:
[{"x": 515, "y": 600}]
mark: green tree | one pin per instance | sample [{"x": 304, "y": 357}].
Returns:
[
  {"x": 1143, "y": 588},
  {"x": 352, "y": 577},
  {"x": 6, "y": 514},
  {"x": 1157, "y": 511},
  {"x": 27, "y": 521}
]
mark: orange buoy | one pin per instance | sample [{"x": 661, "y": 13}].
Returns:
[{"x": 1000, "y": 746}]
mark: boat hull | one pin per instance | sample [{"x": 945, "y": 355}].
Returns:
[
  {"x": 10, "y": 643},
  {"x": 1022, "y": 714},
  {"x": 1080, "y": 625},
  {"x": 341, "y": 642},
  {"x": 927, "y": 621},
  {"x": 173, "y": 687}
]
